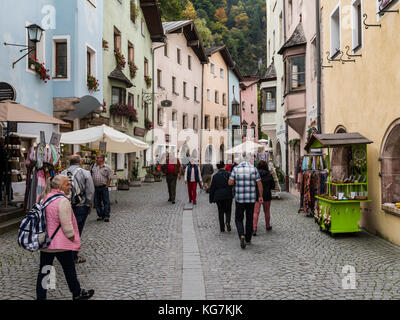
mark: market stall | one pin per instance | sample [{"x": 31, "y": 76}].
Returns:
[
  {"x": 105, "y": 139},
  {"x": 13, "y": 113},
  {"x": 338, "y": 210}
]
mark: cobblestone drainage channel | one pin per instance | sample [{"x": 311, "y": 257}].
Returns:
[{"x": 193, "y": 287}]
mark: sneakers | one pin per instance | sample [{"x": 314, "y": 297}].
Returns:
[
  {"x": 228, "y": 227},
  {"x": 242, "y": 242},
  {"x": 84, "y": 295}
]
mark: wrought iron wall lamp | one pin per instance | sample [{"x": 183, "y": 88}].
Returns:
[
  {"x": 35, "y": 35},
  {"x": 370, "y": 25}
]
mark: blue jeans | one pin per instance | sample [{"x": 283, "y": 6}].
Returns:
[
  {"x": 102, "y": 202},
  {"x": 81, "y": 213}
]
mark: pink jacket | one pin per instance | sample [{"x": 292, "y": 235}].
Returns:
[{"x": 60, "y": 241}]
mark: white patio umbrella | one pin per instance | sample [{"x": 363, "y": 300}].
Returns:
[
  {"x": 248, "y": 147},
  {"x": 263, "y": 141},
  {"x": 117, "y": 142}
]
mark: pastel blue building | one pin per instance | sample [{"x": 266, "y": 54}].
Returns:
[
  {"x": 235, "y": 137},
  {"x": 70, "y": 48}
]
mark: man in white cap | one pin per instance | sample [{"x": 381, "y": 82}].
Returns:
[{"x": 192, "y": 178}]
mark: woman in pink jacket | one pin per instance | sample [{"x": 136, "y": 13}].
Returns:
[{"x": 65, "y": 241}]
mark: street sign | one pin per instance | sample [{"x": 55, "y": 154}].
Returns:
[{"x": 7, "y": 92}]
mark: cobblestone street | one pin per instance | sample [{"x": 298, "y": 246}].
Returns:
[{"x": 141, "y": 254}]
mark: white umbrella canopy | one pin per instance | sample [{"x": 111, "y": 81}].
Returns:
[
  {"x": 248, "y": 147},
  {"x": 263, "y": 141},
  {"x": 117, "y": 142}
]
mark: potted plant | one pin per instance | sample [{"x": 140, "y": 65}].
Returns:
[
  {"x": 149, "y": 177},
  {"x": 148, "y": 81},
  {"x": 121, "y": 62},
  {"x": 135, "y": 174},
  {"x": 92, "y": 83},
  {"x": 105, "y": 44},
  {"x": 40, "y": 69},
  {"x": 123, "y": 184},
  {"x": 132, "y": 69},
  {"x": 156, "y": 171},
  {"x": 148, "y": 124}
]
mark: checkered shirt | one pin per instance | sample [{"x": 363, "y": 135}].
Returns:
[{"x": 245, "y": 177}]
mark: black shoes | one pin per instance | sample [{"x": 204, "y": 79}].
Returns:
[
  {"x": 228, "y": 227},
  {"x": 269, "y": 228},
  {"x": 173, "y": 202},
  {"x": 169, "y": 200},
  {"x": 242, "y": 242},
  {"x": 106, "y": 220},
  {"x": 254, "y": 233},
  {"x": 84, "y": 295},
  {"x": 100, "y": 219}
]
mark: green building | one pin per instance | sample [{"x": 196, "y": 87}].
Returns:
[{"x": 130, "y": 28}]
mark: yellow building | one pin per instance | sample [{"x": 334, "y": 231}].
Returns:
[
  {"x": 361, "y": 94},
  {"x": 215, "y": 113}
]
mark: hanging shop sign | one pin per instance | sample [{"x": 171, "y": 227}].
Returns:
[
  {"x": 140, "y": 132},
  {"x": 166, "y": 103},
  {"x": 7, "y": 92},
  {"x": 55, "y": 139}
]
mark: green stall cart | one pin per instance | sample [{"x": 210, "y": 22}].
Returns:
[{"x": 338, "y": 211}]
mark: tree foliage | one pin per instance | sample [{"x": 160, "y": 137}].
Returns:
[{"x": 239, "y": 24}]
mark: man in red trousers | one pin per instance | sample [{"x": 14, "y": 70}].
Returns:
[{"x": 192, "y": 178}]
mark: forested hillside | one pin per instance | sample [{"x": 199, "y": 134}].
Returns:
[{"x": 239, "y": 24}]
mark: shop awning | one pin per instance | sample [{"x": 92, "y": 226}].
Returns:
[
  {"x": 248, "y": 147},
  {"x": 117, "y": 142},
  {"x": 11, "y": 111},
  {"x": 335, "y": 140}
]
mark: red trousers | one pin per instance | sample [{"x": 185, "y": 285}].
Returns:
[
  {"x": 192, "y": 189},
  {"x": 266, "y": 206}
]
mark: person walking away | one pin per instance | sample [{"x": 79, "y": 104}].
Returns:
[
  {"x": 246, "y": 178},
  {"x": 192, "y": 178},
  {"x": 268, "y": 184},
  {"x": 172, "y": 170},
  {"x": 206, "y": 173},
  {"x": 221, "y": 193},
  {"x": 82, "y": 194},
  {"x": 229, "y": 166},
  {"x": 102, "y": 175},
  {"x": 62, "y": 223}
]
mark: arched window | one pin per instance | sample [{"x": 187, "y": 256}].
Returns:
[{"x": 390, "y": 164}]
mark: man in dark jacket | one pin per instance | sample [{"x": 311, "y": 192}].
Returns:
[{"x": 222, "y": 194}]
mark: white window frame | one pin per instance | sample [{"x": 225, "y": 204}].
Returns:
[
  {"x": 93, "y": 59},
  {"x": 221, "y": 73},
  {"x": 333, "y": 51},
  {"x": 357, "y": 47},
  {"x": 208, "y": 94},
  {"x": 212, "y": 68},
  {"x": 61, "y": 39}
]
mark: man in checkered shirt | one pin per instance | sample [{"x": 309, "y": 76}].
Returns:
[{"x": 245, "y": 178}]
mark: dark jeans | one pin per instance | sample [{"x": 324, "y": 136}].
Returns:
[
  {"x": 81, "y": 214},
  {"x": 171, "y": 182},
  {"x": 224, "y": 208},
  {"x": 241, "y": 208},
  {"x": 102, "y": 198},
  {"x": 67, "y": 262}
]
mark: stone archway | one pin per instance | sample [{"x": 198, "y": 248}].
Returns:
[
  {"x": 222, "y": 153},
  {"x": 278, "y": 156},
  {"x": 210, "y": 155}
]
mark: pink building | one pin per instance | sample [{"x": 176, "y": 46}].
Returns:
[
  {"x": 249, "y": 108},
  {"x": 178, "y": 76}
]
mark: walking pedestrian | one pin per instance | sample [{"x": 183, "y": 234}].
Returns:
[
  {"x": 221, "y": 193},
  {"x": 192, "y": 178},
  {"x": 172, "y": 170},
  {"x": 206, "y": 172},
  {"x": 65, "y": 242},
  {"x": 268, "y": 184},
  {"x": 82, "y": 195},
  {"x": 246, "y": 178},
  {"x": 102, "y": 175}
]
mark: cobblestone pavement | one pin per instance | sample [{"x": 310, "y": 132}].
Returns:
[{"x": 139, "y": 255}]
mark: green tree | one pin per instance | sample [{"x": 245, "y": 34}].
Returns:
[{"x": 190, "y": 12}]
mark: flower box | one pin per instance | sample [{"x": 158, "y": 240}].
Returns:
[
  {"x": 92, "y": 83},
  {"x": 40, "y": 69},
  {"x": 124, "y": 110},
  {"x": 121, "y": 61},
  {"x": 148, "y": 81},
  {"x": 132, "y": 69}
]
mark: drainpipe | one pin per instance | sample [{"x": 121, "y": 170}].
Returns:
[
  {"x": 202, "y": 114},
  {"x": 286, "y": 123},
  {"x": 317, "y": 3}
]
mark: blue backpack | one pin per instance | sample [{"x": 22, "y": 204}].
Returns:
[{"x": 32, "y": 235}]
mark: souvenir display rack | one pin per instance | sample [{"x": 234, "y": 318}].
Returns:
[{"x": 338, "y": 211}]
